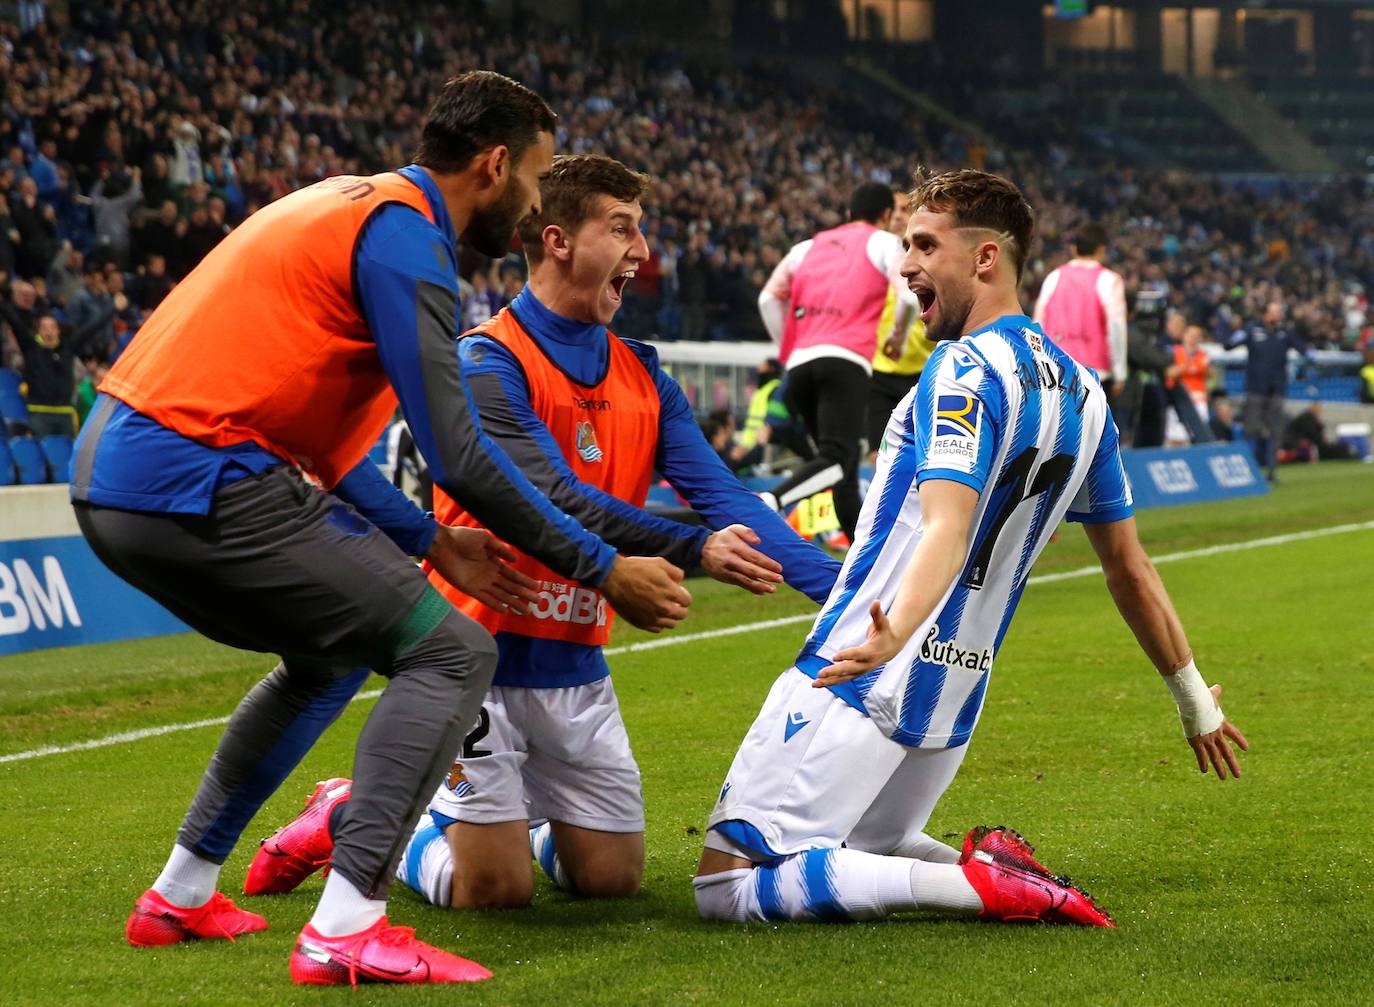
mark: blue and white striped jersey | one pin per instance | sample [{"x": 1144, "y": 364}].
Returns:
[{"x": 1008, "y": 413}]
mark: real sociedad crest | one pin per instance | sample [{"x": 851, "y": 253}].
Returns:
[{"x": 587, "y": 448}]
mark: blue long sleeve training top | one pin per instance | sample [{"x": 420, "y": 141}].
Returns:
[{"x": 684, "y": 457}]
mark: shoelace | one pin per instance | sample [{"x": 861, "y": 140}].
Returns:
[
  {"x": 385, "y": 934},
  {"x": 211, "y": 910}
]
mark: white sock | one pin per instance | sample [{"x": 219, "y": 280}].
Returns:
[
  {"x": 188, "y": 880},
  {"x": 345, "y": 910},
  {"x": 543, "y": 851},
  {"x": 824, "y": 884},
  {"x": 943, "y": 887},
  {"x": 426, "y": 866},
  {"x": 922, "y": 847}
]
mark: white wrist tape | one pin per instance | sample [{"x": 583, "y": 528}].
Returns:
[{"x": 1196, "y": 707}]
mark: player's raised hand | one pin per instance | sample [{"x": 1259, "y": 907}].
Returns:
[
  {"x": 475, "y": 562},
  {"x": 878, "y": 648},
  {"x": 1216, "y": 746},
  {"x": 647, "y": 591},
  {"x": 729, "y": 556}
]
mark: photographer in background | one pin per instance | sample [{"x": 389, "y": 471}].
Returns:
[{"x": 1141, "y": 406}]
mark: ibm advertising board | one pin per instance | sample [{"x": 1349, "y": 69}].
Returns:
[{"x": 54, "y": 592}]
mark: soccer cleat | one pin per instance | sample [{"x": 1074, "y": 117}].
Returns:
[
  {"x": 156, "y": 922},
  {"x": 379, "y": 954},
  {"x": 1012, "y": 895},
  {"x": 1006, "y": 846},
  {"x": 300, "y": 847}
]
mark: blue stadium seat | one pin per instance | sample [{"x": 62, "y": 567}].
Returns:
[
  {"x": 57, "y": 448},
  {"x": 28, "y": 457},
  {"x": 8, "y": 476},
  {"x": 13, "y": 409}
]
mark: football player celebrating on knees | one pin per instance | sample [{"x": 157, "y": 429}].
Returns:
[
  {"x": 588, "y": 417},
  {"x": 823, "y": 811},
  {"x": 285, "y": 351}
]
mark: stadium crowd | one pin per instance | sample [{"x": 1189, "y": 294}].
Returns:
[{"x": 136, "y": 134}]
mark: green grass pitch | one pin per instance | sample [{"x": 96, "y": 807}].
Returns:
[{"x": 1255, "y": 891}]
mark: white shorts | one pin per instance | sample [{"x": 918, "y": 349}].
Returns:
[
  {"x": 813, "y": 772},
  {"x": 537, "y": 754}
]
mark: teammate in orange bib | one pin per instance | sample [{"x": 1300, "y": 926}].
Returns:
[
  {"x": 287, "y": 348},
  {"x": 588, "y": 417},
  {"x": 607, "y": 436}
]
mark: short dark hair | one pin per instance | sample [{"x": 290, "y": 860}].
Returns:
[
  {"x": 1089, "y": 238},
  {"x": 568, "y": 195},
  {"x": 870, "y": 201},
  {"x": 476, "y": 111},
  {"x": 716, "y": 421},
  {"x": 980, "y": 199}
]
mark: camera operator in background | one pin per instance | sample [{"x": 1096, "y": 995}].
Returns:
[{"x": 1140, "y": 408}]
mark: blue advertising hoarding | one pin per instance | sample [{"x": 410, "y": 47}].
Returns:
[
  {"x": 1161, "y": 477},
  {"x": 54, "y": 592}
]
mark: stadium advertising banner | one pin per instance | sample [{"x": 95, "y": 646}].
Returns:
[
  {"x": 54, "y": 592},
  {"x": 1160, "y": 477}
]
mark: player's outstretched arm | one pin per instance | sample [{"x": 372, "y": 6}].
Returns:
[
  {"x": 751, "y": 546},
  {"x": 1144, "y": 604}
]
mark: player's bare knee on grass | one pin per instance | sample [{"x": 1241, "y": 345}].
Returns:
[
  {"x": 608, "y": 880},
  {"x": 481, "y": 889},
  {"x": 601, "y": 865}
]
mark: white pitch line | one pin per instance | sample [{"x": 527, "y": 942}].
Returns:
[{"x": 709, "y": 634}]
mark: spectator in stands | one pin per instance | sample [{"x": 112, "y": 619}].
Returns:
[
  {"x": 96, "y": 369},
  {"x": 21, "y": 311},
  {"x": 151, "y": 285},
  {"x": 65, "y": 274},
  {"x": 482, "y": 303},
  {"x": 48, "y": 360},
  {"x": 201, "y": 235},
  {"x": 36, "y": 224},
  {"x": 9, "y": 238},
  {"x": 157, "y": 183},
  {"x": 43, "y": 171},
  {"x": 1266, "y": 382},
  {"x": 512, "y": 281},
  {"x": 1082, "y": 307},
  {"x": 91, "y": 312},
  {"x": 186, "y": 164},
  {"x": 113, "y": 198},
  {"x": 126, "y": 314},
  {"x": 162, "y": 236}
]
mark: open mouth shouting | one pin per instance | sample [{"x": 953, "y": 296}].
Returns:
[
  {"x": 616, "y": 288},
  {"x": 925, "y": 293}
]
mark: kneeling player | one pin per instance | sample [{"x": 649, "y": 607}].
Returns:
[
  {"x": 588, "y": 417},
  {"x": 823, "y": 810}
]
